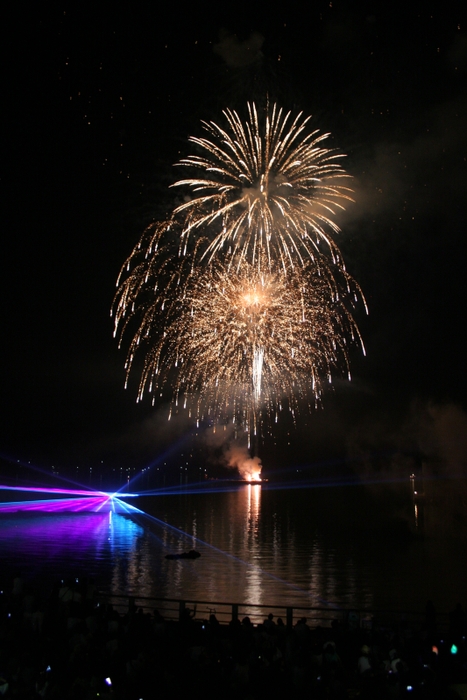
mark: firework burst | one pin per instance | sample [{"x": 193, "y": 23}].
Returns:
[
  {"x": 241, "y": 299},
  {"x": 231, "y": 339},
  {"x": 264, "y": 189}
]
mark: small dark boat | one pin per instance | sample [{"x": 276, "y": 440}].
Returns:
[{"x": 192, "y": 554}]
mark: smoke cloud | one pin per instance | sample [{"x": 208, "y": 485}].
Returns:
[
  {"x": 236, "y": 53},
  {"x": 432, "y": 435},
  {"x": 442, "y": 435},
  {"x": 238, "y": 457},
  {"x": 230, "y": 449}
]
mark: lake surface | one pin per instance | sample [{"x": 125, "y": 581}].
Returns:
[{"x": 344, "y": 546}]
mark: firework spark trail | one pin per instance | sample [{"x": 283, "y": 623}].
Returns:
[
  {"x": 264, "y": 190},
  {"x": 231, "y": 339},
  {"x": 234, "y": 301}
]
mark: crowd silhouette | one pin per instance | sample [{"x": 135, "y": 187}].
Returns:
[{"x": 61, "y": 642}]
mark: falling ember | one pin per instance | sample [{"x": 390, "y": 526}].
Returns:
[
  {"x": 258, "y": 355},
  {"x": 249, "y": 355}
]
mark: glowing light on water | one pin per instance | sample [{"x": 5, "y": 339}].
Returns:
[
  {"x": 254, "y": 476},
  {"x": 76, "y": 500}
]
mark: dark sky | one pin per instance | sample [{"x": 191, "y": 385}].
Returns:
[{"x": 99, "y": 103}]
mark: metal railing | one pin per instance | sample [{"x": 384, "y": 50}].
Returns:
[{"x": 174, "y": 609}]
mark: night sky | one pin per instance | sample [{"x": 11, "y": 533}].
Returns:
[{"x": 99, "y": 104}]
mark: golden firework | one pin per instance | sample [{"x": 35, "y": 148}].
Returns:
[
  {"x": 263, "y": 189},
  {"x": 230, "y": 339},
  {"x": 241, "y": 298}
]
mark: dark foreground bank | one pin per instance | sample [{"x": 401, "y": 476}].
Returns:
[{"x": 64, "y": 643}]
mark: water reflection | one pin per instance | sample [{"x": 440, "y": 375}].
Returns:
[
  {"x": 254, "y": 579},
  {"x": 257, "y": 546},
  {"x": 55, "y": 543},
  {"x": 123, "y": 533}
]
